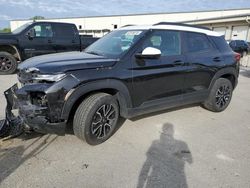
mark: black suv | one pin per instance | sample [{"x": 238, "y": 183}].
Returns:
[
  {"x": 240, "y": 46},
  {"x": 129, "y": 72}
]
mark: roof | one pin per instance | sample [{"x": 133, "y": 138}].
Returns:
[
  {"x": 49, "y": 22},
  {"x": 218, "y": 18},
  {"x": 172, "y": 27},
  {"x": 143, "y": 14}
]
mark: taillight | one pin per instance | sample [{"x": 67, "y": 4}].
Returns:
[{"x": 237, "y": 57}]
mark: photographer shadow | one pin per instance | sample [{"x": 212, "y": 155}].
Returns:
[{"x": 165, "y": 163}]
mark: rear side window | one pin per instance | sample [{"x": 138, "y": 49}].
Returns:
[
  {"x": 222, "y": 44},
  {"x": 241, "y": 43},
  {"x": 196, "y": 42},
  {"x": 65, "y": 31},
  {"x": 232, "y": 43}
]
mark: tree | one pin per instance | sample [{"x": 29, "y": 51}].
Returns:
[
  {"x": 5, "y": 30},
  {"x": 37, "y": 18}
]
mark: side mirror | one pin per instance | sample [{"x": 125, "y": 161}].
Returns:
[
  {"x": 31, "y": 34},
  {"x": 149, "y": 53}
]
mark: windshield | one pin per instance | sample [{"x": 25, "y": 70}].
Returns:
[
  {"x": 20, "y": 29},
  {"x": 116, "y": 43}
]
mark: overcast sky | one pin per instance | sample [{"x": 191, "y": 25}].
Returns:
[{"x": 19, "y": 9}]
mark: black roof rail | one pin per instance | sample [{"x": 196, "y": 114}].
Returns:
[{"x": 182, "y": 24}]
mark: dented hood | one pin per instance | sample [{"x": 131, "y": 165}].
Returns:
[{"x": 63, "y": 62}]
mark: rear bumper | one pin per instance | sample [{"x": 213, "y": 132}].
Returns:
[{"x": 35, "y": 116}]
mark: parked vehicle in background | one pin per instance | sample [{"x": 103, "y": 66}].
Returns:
[
  {"x": 129, "y": 72},
  {"x": 248, "y": 43},
  {"x": 38, "y": 38},
  {"x": 240, "y": 46},
  {"x": 88, "y": 40}
]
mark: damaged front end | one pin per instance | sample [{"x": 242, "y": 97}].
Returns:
[
  {"x": 38, "y": 104},
  {"x": 12, "y": 125}
]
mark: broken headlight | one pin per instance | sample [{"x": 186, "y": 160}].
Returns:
[
  {"x": 38, "y": 98},
  {"x": 49, "y": 77}
]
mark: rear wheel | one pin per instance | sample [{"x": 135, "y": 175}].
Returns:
[
  {"x": 8, "y": 63},
  {"x": 220, "y": 95},
  {"x": 96, "y": 118}
]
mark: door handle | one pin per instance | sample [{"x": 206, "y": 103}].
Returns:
[
  {"x": 217, "y": 59},
  {"x": 178, "y": 62},
  {"x": 49, "y": 41}
]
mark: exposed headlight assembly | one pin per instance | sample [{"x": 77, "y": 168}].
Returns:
[{"x": 49, "y": 77}]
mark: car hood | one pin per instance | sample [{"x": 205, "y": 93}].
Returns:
[
  {"x": 64, "y": 62},
  {"x": 7, "y": 38},
  {"x": 6, "y": 35}
]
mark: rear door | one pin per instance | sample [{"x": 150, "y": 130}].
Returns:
[
  {"x": 66, "y": 38},
  {"x": 160, "y": 78},
  {"x": 202, "y": 59},
  {"x": 41, "y": 43}
]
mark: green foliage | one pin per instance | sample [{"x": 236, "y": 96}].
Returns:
[
  {"x": 5, "y": 30},
  {"x": 37, "y": 18}
]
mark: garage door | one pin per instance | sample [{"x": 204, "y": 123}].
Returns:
[
  {"x": 239, "y": 32},
  {"x": 221, "y": 30}
]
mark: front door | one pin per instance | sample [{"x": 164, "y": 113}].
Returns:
[
  {"x": 159, "y": 78},
  {"x": 40, "y": 43}
]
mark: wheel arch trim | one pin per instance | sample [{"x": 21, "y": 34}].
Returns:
[
  {"x": 229, "y": 70},
  {"x": 122, "y": 95},
  {"x": 14, "y": 48}
]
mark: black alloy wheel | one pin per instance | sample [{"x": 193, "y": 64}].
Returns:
[
  {"x": 103, "y": 121},
  {"x": 5, "y": 64},
  {"x": 223, "y": 96},
  {"x": 96, "y": 118},
  {"x": 8, "y": 63},
  {"x": 220, "y": 95}
]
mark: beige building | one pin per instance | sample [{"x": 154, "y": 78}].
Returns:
[{"x": 234, "y": 23}]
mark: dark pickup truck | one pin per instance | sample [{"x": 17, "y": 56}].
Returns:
[{"x": 38, "y": 38}]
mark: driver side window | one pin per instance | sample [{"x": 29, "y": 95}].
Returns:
[
  {"x": 42, "y": 30},
  {"x": 167, "y": 41}
]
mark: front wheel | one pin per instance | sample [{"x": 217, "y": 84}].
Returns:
[
  {"x": 220, "y": 95},
  {"x": 96, "y": 118},
  {"x": 8, "y": 63}
]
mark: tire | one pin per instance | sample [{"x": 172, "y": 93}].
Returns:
[
  {"x": 220, "y": 95},
  {"x": 8, "y": 63},
  {"x": 96, "y": 118}
]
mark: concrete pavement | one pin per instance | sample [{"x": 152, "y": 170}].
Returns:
[{"x": 185, "y": 147}]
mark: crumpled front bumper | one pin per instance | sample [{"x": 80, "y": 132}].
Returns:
[{"x": 34, "y": 116}]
